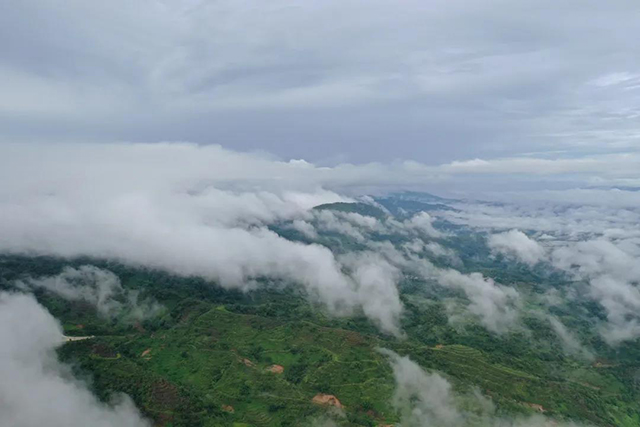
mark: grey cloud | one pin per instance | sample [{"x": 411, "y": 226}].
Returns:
[
  {"x": 323, "y": 422},
  {"x": 621, "y": 301},
  {"x": 554, "y": 220},
  {"x": 436, "y": 81},
  {"x": 340, "y": 223},
  {"x": 418, "y": 247},
  {"x": 359, "y": 226},
  {"x": 439, "y": 250},
  {"x": 36, "y": 389},
  {"x": 423, "y": 223},
  {"x": 622, "y": 199},
  {"x": 403, "y": 259},
  {"x": 496, "y": 306}
]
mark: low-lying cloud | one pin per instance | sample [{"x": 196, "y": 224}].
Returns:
[
  {"x": 596, "y": 245},
  {"x": 98, "y": 287},
  {"x": 428, "y": 400},
  {"x": 423, "y": 223},
  {"x": 377, "y": 280},
  {"x": 36, "y": 389},
  {"x": 497, "y": 306},
  {"x": 517, "y": 244},
  {"x": 141, "y": 205},
  {"x": 186, "y": 209},
  {"x": 612, "y": 269},
  {"x": 570, "y": 344}
]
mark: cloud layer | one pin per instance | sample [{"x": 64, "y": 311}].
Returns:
[
  {"x": 190, "y": 210},
  {"x": 140, "y": 204}
]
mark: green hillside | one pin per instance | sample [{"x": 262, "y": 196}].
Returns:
[{"x": 216, "y": 358}]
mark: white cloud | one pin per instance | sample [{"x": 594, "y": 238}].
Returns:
[
  {"x": 596, "y": 244},
  {"x": 338, "y": 222},
  {"x": 378, "y": 294},
  {"x": 516, "y": 243},
  {"x": 423, "y": 400},
  {"x": 305, "y": 228},
  {"x": 427, "y": 400},
  {"x": 140, "y": 205},
  {"x": 36, "y": 389},
  {"x": 496, "y": 305},
  {"x": 612, "y": 270},
  {"x": 98, "y": 287},
  {"x": 600, "y": 165},
  {"x": 570, "y": 343},
  {"x": 423, "y": 222}
]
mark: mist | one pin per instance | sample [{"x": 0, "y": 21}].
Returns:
[
  {"x": 98, "y": 287},
  {"x": 429, "y": 400}
]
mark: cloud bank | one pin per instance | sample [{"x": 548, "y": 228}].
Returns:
[
  {"x": 206, "y": 211},
  {"x": 189, "y": 210}
]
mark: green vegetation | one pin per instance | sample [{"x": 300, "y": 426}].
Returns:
[{"x": 216, "y": 357}]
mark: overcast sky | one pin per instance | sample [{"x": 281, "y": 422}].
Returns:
[{"x": 329, "y": 81}]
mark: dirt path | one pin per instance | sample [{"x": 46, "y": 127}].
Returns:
[{"x": 69, "y": 339}]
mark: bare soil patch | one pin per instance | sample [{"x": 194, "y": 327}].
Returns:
[
  {"x": 327, "y": 400},
  {"x": 276, "y": 369}
]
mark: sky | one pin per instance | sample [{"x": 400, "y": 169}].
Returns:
[{"x": 327, "y": 81}]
